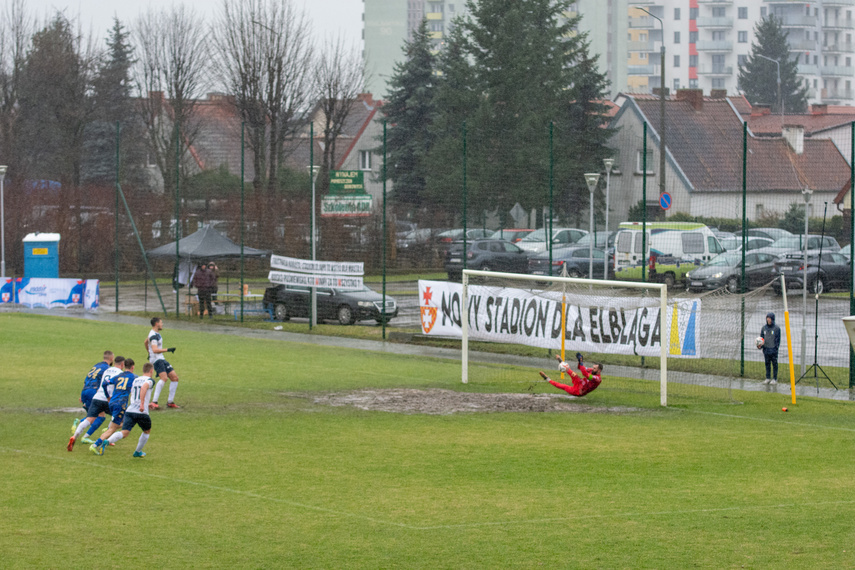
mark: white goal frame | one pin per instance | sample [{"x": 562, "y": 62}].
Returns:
[{"x": 663, "y": 321}]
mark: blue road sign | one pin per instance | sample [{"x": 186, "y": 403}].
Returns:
[{"x": 665, "y": 200}]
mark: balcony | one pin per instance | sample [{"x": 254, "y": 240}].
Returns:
[
  {"x": 715, "y": 22},
  {"x": 839, "y": 47},
  {"x": 798, "y": 21},
  {"x": 837, "y": 94},
  {"x": 643, "y": 46},
  {"x": 434, "y": 15},
  {"x": 837, "y": 71},
  {"x": 838, "y": 24},
  {"x": 715, "y": 45},
  {"x": 716, "y": 2},
  {"x": 716, "y": 70},
  {"x": 833, "y": 3},
  {"x": 805, "y": 69},
  {"x": 802, "y": 45},
  {"x": 642, "y": 69},
  {"x": 641, "y": 22}
]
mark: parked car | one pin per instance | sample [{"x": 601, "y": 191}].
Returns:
[
  {"x": 735, "y": 243},
  {"x": 486, "y": 255},
  {"x": 794, "y": 244},
  {"x": 773, "y": 234},
  {"x": 512, "y": 235},
  {"x": 832, "y": 272},
  {"x": 725, "y": 270},
  {"x": 575, "y": 258},
  {"x": 344, "y": 305},
  {"x": 445, "y": 239},
  {"x": 536, "y": 240},
  {"x": 601, "y": 239}
]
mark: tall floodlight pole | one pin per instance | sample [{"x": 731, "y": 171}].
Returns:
[
  {"x": 661, "y": 104},
  {"x": 609, "y": 164},
  {"x": 591, "y": 179},
  {"x": 780, "y": 94},
  {"x": 313, "y": 172},
  {"x": 2, "y": 225},
  {"x": 806, "y": 194}
]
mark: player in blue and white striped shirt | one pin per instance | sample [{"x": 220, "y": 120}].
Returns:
[
  {"x": 90, "y": 386},
  {"x": 118, "y": 403}
]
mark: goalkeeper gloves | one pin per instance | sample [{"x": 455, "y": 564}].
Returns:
[
  {"x": 579, "y": 356},
  {"x": 171, "y": 349}
]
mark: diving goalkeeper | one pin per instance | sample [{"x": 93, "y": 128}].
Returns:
[{"x": 590, "y": 380}]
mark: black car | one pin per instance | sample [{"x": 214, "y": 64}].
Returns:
[
  {"x": 486, "y": 255},
  {"x": 726, "y": 270},
  {"x": 832, "y": 272},
  {"x": 344, "y": 305},
  {"x": 575, "y": 258}
]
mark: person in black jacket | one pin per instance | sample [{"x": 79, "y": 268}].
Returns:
[
  {"x": 202, "y": 280},
  {"x": 771, "y": 335}
]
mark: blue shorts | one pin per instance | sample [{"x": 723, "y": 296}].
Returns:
[
  {"x": 136, "y": 419},
  {"x": 98, "y": 407},
  {"x": 118, "y": 412},
  {"x": 162, "y": 366},
  {"x": 86, "y": 397}
]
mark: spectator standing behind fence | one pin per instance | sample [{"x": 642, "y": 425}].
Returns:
[
  {"x": 202, "y": 282},
  {"x": 215, "y": 280},
  {"x": 771, "y": 334}
]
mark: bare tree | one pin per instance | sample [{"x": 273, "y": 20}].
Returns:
[
  {"x": 170, "y": 73},
  {"x": 263, "y": 58},
  {"x": 339, "y": 76},
  {"x": 16, "y": 30}
]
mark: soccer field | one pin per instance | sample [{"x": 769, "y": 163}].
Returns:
[{"x": 255, "y": 471}]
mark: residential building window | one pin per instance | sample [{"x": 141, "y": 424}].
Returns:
[
  {"x": 676, "y": 37},
  {"x": 676, "y": 61},
  {"x": 676, "y": 13},
  {"x": 718, "y": 12},
  {"x": 743, "y": 13},
  {"x": 693, "y": 13},
  {"x": 742, "y": 37},
  {"x": 639, "y": 163},
  {"x": 693, "y": 83},
  {"x": 436, "y": 26},
  {"x": 364, "y": 160},
  {"x": 741, "y": 59},
  {"x": 642, "y": 37},
  {"x": 758, "y": 210},
  {"x": 763, "y": 11},
  {"x": 693, "y": 37},
  {"x": 693, "y": 61},
  {"x": 717, "y": 36},
  {"x": 451, "y": 8},
  {"x": 848, "y": 62},
  {"x": 677, "y": 85},
  {"x": 642, "y": 56},
  {"x": 718, "y": 83},
  {"x": 816, "y": 60}
]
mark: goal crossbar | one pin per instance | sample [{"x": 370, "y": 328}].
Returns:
[{"x": 663, "y": 321}]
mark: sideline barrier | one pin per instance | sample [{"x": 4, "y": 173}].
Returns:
[{"x": 51, "y": 293}]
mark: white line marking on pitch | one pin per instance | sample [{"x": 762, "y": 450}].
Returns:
[
  {"x": 799, "y": 424},
  {"x": 430, "y": 527}
]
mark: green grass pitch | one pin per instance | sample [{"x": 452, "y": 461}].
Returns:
[{"x": 253, "y": 473}]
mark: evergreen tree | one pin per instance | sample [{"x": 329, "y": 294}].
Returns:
[
  {"x": 113, "y": 104},
  {"x": 409, "y": 112},
  {"x": 456, "y": 99},
  {"x": 758, "y": 78}
]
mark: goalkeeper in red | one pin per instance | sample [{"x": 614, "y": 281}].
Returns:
[{"x": 590, "y": 380}]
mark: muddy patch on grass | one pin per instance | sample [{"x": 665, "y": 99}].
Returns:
[{"x": 444, "y": 402}]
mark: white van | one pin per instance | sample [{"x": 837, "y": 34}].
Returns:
[{"x": 681, "y": 245}]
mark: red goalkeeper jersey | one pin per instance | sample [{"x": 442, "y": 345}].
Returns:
[{"x": 581, "y": 386}]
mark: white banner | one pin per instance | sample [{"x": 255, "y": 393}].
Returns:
[
  {"x": 281, "y": 278},
  {"x": 309, "y": 266},
  {"x": 51, "y": 292},
  {"x": 612, "y": 325}
]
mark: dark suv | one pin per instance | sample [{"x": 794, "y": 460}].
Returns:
[
  {"x": 344, "y": 305},
  {"x": 486, "y": 255}
]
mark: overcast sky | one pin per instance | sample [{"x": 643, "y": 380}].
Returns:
[{"x": 327, "y": 16}]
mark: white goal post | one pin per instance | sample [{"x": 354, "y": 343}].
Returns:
[{"x": 597, "y": 283}]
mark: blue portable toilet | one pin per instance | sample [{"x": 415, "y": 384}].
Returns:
[{"x": 41, "y": 256}]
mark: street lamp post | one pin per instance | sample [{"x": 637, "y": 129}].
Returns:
[
  {"x": 2, "y": 225},
  {"x": 806, "y": 194},
  {"x": 780, "y": 94},
  {"x": 591, "y": 179},
  {"x": 661, "y": 104},
  {"x": 609, "y": 163},
  {"x": 313, "y": 172}
]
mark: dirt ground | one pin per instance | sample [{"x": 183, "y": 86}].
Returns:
[{"x": 444, "y": 402}]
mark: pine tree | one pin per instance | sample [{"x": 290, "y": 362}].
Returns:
[
  {"x": 758, "y": 78},
  {"x": 409, "y": 112}
]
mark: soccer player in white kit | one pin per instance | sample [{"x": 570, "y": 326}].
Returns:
[
  {"x": 162, "y": 368},
  {"x": 136, "y": 413},
  {"x": 99, "y": 408}
]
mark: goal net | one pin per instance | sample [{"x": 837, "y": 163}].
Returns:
[{"x": 676, "y": 348}]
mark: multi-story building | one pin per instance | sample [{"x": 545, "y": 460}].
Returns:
[
  {"x": 706, "y": 41},
  {"x": 606, "y": 25}
]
